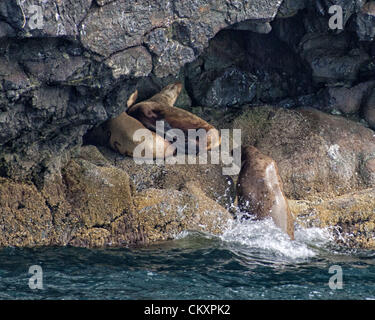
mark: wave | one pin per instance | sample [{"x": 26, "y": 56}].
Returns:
[{"x": 263, "y": 239}]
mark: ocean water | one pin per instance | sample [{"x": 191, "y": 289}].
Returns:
[{"x": 252, "y": 260}]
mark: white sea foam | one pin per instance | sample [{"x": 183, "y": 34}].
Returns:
[{"x": 265, "y": 238}]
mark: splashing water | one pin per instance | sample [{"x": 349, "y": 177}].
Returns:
[
  {"x": 251, "y": 260},
  {"x": 264, "y": 235},
  {"x": 264, "y": 238}
]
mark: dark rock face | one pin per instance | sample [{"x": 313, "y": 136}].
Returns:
[
  {"x": 238, "y": 67},
  {"x": 365, "y": 22},
  {"x": 347, "y": 100},
  {"x": 369, "y": 110},
  {"x": 333, "y": 63},
  {"x": 66, "y": 66},
  {"x": 316, "y": 153}
]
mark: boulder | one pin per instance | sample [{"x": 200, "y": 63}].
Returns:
[
  {"x": 289, "y": 8},
  {"x": 365, "y": 22},
  {"x": 317, "y": 153},
  {"x": 25, "y": 219},
  {"x": 331, "y": 59},
  {"x": 79, "y": 207},
  {"x": 98, "y": 195},
  {"x": 163, "y": 214},
  {"x": 369, "y": 110},
  {"x": 209, "y": 177},
  {"x": 347, "y": 100},
  {"x": 350, "y": 217}
]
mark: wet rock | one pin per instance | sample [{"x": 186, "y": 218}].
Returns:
[
  {"x": 166, "y": 213},
  {"x": 209, "y": 177},
  {"x": 369, "y": 110},
  {"x": 91, "y": 238},
  {"x": 316, "y": 153},
  {"x": 254, "y": 26},
  {"x": 33, "y": 18},
  {"x": 331, "y": 59},
  {"x": 99, "y": 194},
  {"x": 289, "y": 8},
  {"x": 229, "y": 88},
  {"x": 25, "y": 219},
  {"x": 350, "y": 217},
  {"x": 347, "y": 100},
  {"x": 131, "y": 62},
  {"x": 365, "y": 22}
]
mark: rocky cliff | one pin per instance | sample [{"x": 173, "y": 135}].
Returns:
[{"x": 68, "y": 66}]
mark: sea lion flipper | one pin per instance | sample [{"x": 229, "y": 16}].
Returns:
[{"x": 132, "y": 99}]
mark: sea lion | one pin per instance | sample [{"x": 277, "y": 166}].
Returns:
[
  {"x": 158, "y": 108},
  {"x": 260, "y": 190},
  {"x": 121, "y": 131},
  {"x": 119, "y": 134},
  {"x": 168, "y": 95}
]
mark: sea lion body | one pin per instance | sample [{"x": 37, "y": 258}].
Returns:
[
  {"x": 260, "y": 190},
  {"x": 121, "y": 131},
  {"x": 148, "y": 112},
  {"x": 119, "y": 134}
]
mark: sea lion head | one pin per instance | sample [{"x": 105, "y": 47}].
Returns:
[{"x": 168, "y": 95}]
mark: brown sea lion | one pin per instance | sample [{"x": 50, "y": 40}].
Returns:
[
  {"x": 260, "y": 190},
  {"x": 158, "y": 108},
  {"x": 121, "y": 131},
  {"x": 168, "y": 95},
  {"x": 119, "y": 134}
]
